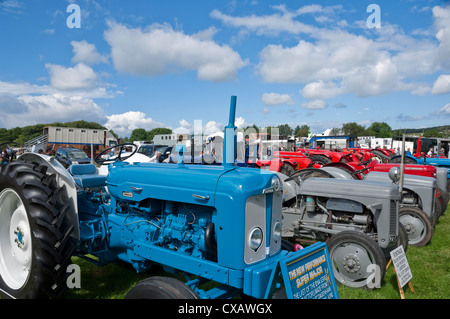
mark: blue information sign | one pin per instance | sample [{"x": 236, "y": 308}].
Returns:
[{"x": 308, "y": 274}]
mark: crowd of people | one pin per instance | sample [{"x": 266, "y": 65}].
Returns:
[{"x": 8, "y": 154}]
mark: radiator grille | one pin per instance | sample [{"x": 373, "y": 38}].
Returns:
[{"x": 393, "y": 223}]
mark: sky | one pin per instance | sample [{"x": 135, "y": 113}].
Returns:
[{"x": 148, "y": 64}]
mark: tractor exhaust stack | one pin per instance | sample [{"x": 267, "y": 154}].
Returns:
[{"x": 229, "y": 145}]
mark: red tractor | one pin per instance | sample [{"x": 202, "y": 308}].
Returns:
[
  {"x": 285, "y": 162},
  {"x": 321, "y": 157},
  {"x": 288, "y": 162}
]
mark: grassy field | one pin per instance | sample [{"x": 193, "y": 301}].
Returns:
[{"x": 430, "y": 266}]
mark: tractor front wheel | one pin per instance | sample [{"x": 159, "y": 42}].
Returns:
[
  {"x": 417, "y": 224},
  {"x": 354, "y": 256},
  {"x": 161, "y": 288}
]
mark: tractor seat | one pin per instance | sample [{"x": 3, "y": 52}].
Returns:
[{"x": 86, "y": 175}]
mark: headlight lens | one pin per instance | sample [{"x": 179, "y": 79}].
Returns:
[
  {"x": 394, "y": 174},
  {"x": 276, "y": 183},
  {"x": 256, "y": 238},
  {"x": 277, "y": 231}
]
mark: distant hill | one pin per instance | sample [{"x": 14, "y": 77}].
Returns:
[{"x": 435, "y": 131}]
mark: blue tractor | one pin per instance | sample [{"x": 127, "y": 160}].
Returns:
[{"x": 213, "y": 223}]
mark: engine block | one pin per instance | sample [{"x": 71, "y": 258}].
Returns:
[{"x": 180, "y": 227}]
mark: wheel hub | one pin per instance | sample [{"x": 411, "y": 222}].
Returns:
[
  {"x": 410, "y": 228},
  {"x": 351, "y": 263},
  {"x": 15, "y": 240},
  {"x": 19, "y": 239}
]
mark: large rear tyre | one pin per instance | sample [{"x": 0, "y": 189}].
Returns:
[
  {"x": 161, "y": 288},
  {"x": 408, "y": 160},
  {"x": 35, "y": 243},
  {"x": 353, "y": 256},
  {"x": 380, "y": 156},
  {"x": 319, "y": 160},
  {"x": 287, "y": 169}
]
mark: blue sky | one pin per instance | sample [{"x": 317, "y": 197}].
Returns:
[{"x": 146, "y": 64}]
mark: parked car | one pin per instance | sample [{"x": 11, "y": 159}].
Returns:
[
  {"x": 69, "y": 156},
  {"x": 149, "y": 149}
]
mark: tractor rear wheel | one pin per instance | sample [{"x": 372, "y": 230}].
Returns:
[
  {"x": 351, "y": 254},
  {"x": 161, "y": 288},
  {"x": 417, "y": 224},
  {"x": 287, "y": 169},
  {"x": 303, "y": 174},
  {"x": 408, "y": 160},
  {"x": 35, "y": 243},
  {"x": 319, "y": 160},
  {"x": 382, "y": 158}
]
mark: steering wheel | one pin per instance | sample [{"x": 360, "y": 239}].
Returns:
[
  {"x": 119, "y": 158},
  {"x": 8, "y": 144}
]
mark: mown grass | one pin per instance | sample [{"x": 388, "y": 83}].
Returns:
[{"x": 430, "y": 266}]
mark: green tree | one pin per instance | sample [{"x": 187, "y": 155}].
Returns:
[
  {"x": 379, "y": 129},
  {"x": 301, "y": 131},
  {"x": 336, "y": 131},
  {"x": 432, "y": 133},
  {"x": 284, "y": 130},
  {"x": 353, "y": 128},
  {"x": 138, "y": 134}
]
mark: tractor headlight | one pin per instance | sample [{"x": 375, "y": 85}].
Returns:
[
  {"x": 277, "y": 231},
  {"x": 276, "y": 183},
  {"x": 394, "y": 174},
  {"x": 255, "y": 238}
]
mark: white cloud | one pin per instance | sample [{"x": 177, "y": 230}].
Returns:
[
  {"x": 21, "y": 88},
  {"x": 409, "y": 117},
  {"x": 210, "y": 127},
  {"x": 123, "y": 124},
  {"x": 268, "y": 24},
  {"x": 240, "y": 122},
  {"x": 320, "y": 90},
  {"x": 184, "y": 128},
  {"x": 315, "y": 105},
  {"x": 276, "y": 99},
  {"x": 159, "y": 49},
  {"x": 442, "y": 85},
  {"x": 444, "y": 111},
  {"x": 78, "y": 77},
  {"x": 276, "y": 23},
  {"x": 87, "y": 53},
  {"x": 343, "y": 60},
  {"x": 198, "y": 127},
  {"x": 339, "y": 62},
  {"x": 30, "y": 110},
  {"x": 288, "y": 65},
  {"x": 442, "y": 23},
  {"x": 11, "y": 7}
]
